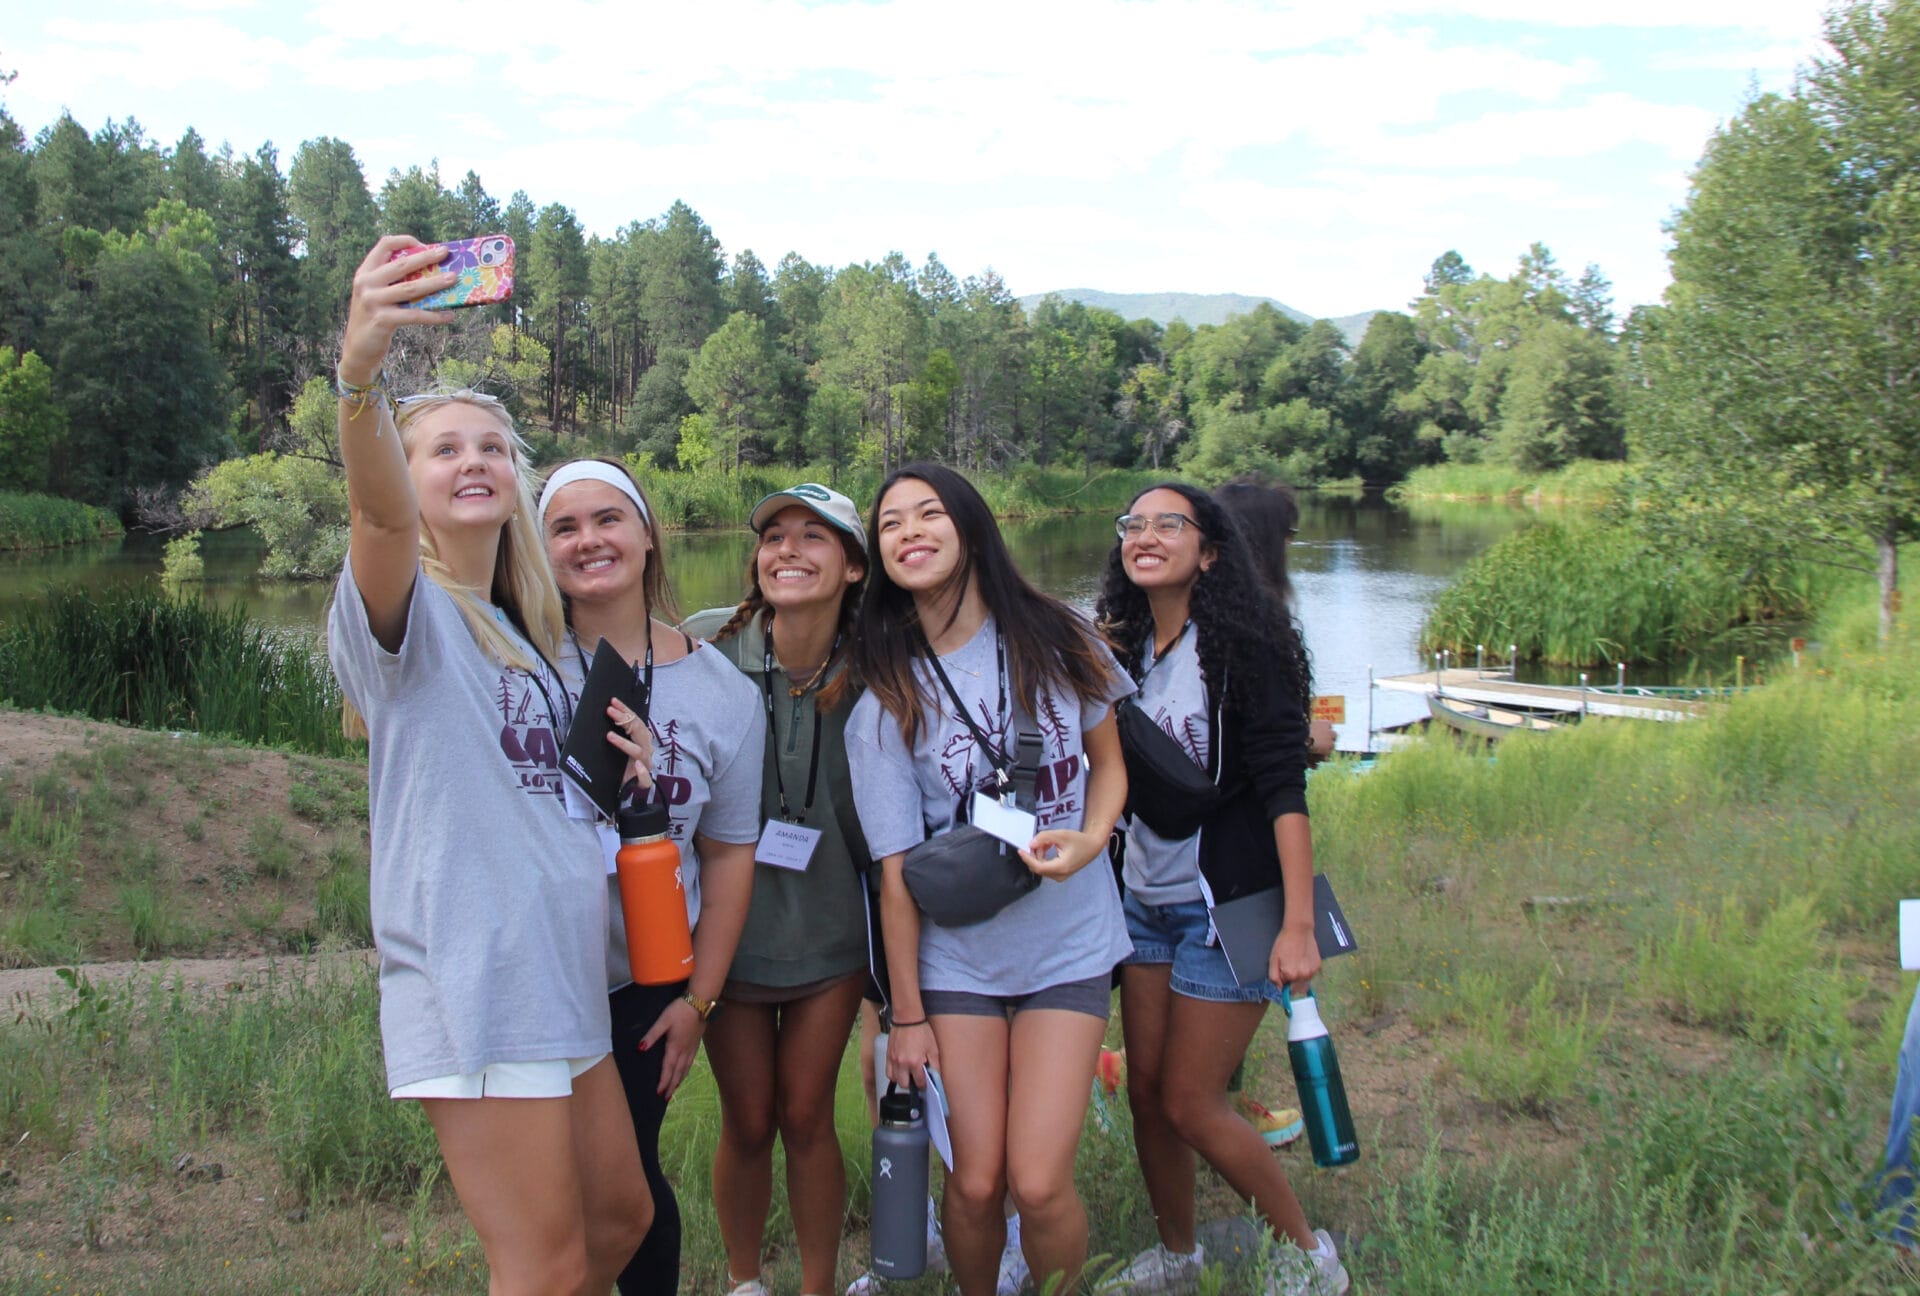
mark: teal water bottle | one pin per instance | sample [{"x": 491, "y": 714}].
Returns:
[{"x": 1323, "y": 1097}]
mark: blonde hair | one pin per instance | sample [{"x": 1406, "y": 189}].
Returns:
[{"x": 523, "y": 584}]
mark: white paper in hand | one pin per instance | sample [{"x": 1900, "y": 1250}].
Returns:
[
  {"x": 1011, "y": 825},
  {"x": 1910, "y": 934},
  {"x": 937, "y": 1118}
]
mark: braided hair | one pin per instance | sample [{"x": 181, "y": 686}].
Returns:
[
  {"x": 838, "y": 686},
  {"x": 1242, "y": 631}
]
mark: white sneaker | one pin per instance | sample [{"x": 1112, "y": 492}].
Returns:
[
  {"x": 1310, "y": 1273},
  {"x": 751, "y": 1287},
  {"x": 1160, "y": 1272},
  {"x": 1013, "y": 1263}
]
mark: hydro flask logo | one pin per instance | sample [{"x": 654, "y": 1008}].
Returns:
[{"x": 886, "y": 1167}]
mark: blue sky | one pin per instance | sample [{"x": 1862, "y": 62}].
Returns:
[{"x": 1322, "y": 153}]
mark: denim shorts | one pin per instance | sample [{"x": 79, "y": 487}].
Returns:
[{"x": 1178, "y": 934}]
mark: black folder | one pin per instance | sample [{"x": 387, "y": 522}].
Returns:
[
  {"x": 1247, "y": 928},
  {"x": 596, "y": 766}
]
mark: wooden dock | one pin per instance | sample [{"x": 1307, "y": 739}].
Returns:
[{"x": 1478, "y": 686}]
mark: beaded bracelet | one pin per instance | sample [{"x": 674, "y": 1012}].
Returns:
[{"x": 359, "y": 397}]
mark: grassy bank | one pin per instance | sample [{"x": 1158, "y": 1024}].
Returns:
[
  {"x": 1586, "y": 482},
  {"x": 1623, "y": 1019},
  {"x": 45, "y": 522},
  {"x": 1581, "y": 592},
  {"x": 712, "y": 499},
  {"x": 157, "y": 661}
]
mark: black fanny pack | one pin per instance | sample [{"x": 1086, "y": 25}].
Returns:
[
  {"x": 1165, "y": 789},
  {"x": 966, "y": 875}
]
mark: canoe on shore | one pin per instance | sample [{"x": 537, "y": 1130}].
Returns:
[{"x": 1493, "y": 722}]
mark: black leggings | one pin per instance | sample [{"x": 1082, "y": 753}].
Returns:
[{"x": 655, "y": 1267}]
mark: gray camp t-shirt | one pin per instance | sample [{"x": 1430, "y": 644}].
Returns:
[
  {"x": 488, "y": 901},
  {"x": 1162, "y": 872},
  {"x": 708, "y": 732},
  {"x": 1059, "y": 931}
]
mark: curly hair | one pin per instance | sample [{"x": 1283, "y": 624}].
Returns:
[
  {"x": 838, "y": 687},
  {"x": 1243, "y": 633}
]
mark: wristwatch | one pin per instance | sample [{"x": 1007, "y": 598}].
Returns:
[{"x": 704, "y": 1007}]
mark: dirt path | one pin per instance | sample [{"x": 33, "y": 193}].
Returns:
[{"x": 18, "y": 986}]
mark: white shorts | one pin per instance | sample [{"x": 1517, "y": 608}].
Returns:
[{"x": 550, "y": 1079}]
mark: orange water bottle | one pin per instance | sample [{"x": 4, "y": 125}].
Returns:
[{"x": 652, "y": 901}]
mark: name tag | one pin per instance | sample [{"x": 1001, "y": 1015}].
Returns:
[
  {"x": 786, "y": 845},
  {"x": 1010, "y": 824}
]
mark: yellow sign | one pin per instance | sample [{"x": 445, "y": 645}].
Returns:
[{"x": 1331, "y": 707}]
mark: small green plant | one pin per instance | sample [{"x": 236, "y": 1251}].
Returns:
[
  {"x": 341, "y": 902},
  {"x": 181, "y": 563},
  {"x": 1528, "y": 1055},
  {"x": 1728, "y": 971},
  {"x": 153, "y": 923},
  {"x": 273, "y": 852}
]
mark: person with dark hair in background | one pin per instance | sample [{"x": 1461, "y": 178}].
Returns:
[
  {"x": 960, "y": 654},
  {"x": 1224, "y": 676},
  {"x": 1268, "y": 516}
]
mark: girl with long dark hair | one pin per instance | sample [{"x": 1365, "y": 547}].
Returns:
[
  {"x": 801, "y": 965},
  {"x": 1222, "y": 672},
  {"x": 960, "y": 655}
]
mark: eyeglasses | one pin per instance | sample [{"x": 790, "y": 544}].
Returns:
[{"x": 1131, "y": 526}]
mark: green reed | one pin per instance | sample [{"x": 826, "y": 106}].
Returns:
[
  {"x": 155, "y": 661},
  {"x": 1579, "y": 593},
  {"x": 45, "y": 522}
]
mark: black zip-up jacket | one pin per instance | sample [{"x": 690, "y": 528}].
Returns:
[{"x": 1261, "y": 750}]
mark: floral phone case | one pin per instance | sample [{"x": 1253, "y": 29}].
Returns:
[{"x": 485, "y": 267}]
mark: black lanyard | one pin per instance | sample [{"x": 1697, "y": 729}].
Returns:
[
  {"x": 562, "y": 720},
  {"x": 1159, "y": 657},
  {"x": 813, "y": 758},
  {"x": 995, "y": 757}
]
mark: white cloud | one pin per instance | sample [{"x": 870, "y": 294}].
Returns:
[{"x": 158, "y": 54}]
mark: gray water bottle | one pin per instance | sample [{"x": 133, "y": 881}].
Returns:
[{"x": 900, "y": 1185}]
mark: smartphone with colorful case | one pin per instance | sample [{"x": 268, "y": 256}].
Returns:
[{"x": 485, "y": 267}]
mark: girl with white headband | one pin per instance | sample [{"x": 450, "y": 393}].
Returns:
[
  {"x": 492, "y": 1009},
  {"x": 707, "y": 739}
]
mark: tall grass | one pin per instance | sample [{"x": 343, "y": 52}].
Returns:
[
  {"x": 712, "y": 499},
  {"x": 144, "y": 658},
  {"x": 45, "y": 522},
  {"x": 1586, "y": 481},
  {"x": 1580, "y": 593}
]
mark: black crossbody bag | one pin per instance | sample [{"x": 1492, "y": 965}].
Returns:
[
  {"x": 1165, "y": 789},
  {"x": 965, "y": 875}
]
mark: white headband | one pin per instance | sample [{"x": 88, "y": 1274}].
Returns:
[{"x": 591, "y": 470}]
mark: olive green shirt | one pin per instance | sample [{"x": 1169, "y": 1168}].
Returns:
[{"x": 801, "y": 927}]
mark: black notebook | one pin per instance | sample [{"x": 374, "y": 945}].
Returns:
[
  {"x": 1248, "y": 926},
  {"x": 596, "y": 766}
]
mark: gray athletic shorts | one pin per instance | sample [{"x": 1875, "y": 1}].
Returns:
[{"x": 1093, "y": 996}]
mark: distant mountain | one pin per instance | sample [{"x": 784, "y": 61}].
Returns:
[{"x": 1195, "y": 308}]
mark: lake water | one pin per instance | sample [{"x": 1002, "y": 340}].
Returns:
[{"x": 1364, "y": 571}]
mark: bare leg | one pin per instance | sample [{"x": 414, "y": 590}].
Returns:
[
  {"x": 513, "y": 1167},
  {"x": 869, "y": 1032},
  {"x": 1209, "y": 1039},
  {"x": 1166, "y": 1162},
  {"x": 618, "y": 1205},
  {"x": 1050, "y": 1060},
  {"x": 973, "y": 1055},
  {"x": 812, "y": 1040},
  {"x": 740, "y": 1047}
]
